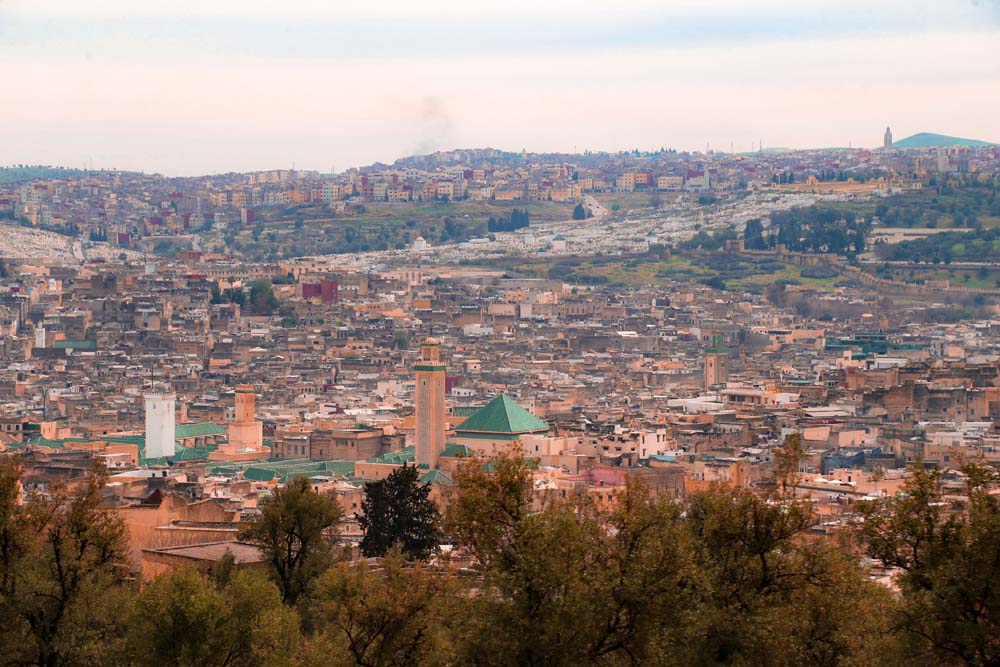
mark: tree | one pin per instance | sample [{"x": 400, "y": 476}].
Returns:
[
  {"x": 579, "y": 212},
  {"x": 235, "y": 295},
  {"x": 392, "y": 615},
  {"x": 295, "y": 530},
  {"x": 262, "y": 299},
  {"x": 62, "y": 558},
  {"x": 516, "y": 220},
  {"x": 400, "y": 340},
  {"x": 183, "y": 619},
  {"x": 765, "y": 594},
  {"x": 489, "y": 503},
  {"x": 397, "y": 510},
  {"x": 568, "y": 583},
  {"x": 753, "y": 235},
  {"x": 950, "y": 607}
]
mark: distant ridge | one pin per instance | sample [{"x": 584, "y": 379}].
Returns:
[{"x": 930, "y": 140}]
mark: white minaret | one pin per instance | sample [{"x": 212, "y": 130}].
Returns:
[
  {"x": 40, "y": 336},
  {"x": 160, "y": 424}
]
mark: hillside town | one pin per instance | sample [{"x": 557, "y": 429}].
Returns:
[
  {"x": 152, "y": 213},
  {"x": 204, "y": 382},
  {"x": 454, "y": 334}
]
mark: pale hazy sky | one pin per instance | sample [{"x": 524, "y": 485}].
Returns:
[{"x": 197, "y": 86}]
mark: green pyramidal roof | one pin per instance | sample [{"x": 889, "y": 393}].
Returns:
[{"x": 502, "y": 415}]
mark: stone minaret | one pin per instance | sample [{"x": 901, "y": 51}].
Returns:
[{"x": 430, "y": 391}]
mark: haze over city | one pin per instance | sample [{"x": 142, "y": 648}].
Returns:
[{"x": 186, "y": 88}]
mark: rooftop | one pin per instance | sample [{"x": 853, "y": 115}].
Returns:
[{"x": 502, "y": 415}]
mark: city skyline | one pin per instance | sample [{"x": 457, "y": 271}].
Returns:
[{"x": 187, "y": 90}]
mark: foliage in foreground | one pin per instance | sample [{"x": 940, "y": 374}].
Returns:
[{"x": 725, "y": 577}]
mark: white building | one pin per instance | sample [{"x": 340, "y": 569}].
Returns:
[{"x": 160, "y": 424}]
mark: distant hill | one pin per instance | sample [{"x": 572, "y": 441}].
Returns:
[
  {"x": 930, "y": 140},
  {"x": 29, "y": 173}
]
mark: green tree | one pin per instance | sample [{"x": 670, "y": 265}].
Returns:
[
  {"x": 400, "y": 340},
  {"x": 186, "y": 620},
  {"x": 391, "y": 615},
  {"x": 753, "y": 235},
  {"x": 397, "y": 511},
  {"x": 62, "y": 561},
  {"x": 948, "y": 556},
  {"x": 235, "y": 295},
  {"x": 749, "y": 567},
  {"x": 295, "y": 530},
  {"x": 262, "y": 299},
  {"x": 579, "y": 212},
  {"x": 489, "y": 504},
  {"x": 568, "y": 583}
]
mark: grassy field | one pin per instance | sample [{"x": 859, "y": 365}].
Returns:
[
  {"x": 629, "y": 201},
  {"x": 790, "y": 274},
  {"x": 987, "y": 278}
]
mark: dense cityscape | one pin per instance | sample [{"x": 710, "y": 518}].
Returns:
[
  {"x": 649, "y": 331},
  {"x": 447, "y": 334}
]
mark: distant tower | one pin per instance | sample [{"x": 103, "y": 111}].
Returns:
[
  {"x": 887, "y": 140},
  {"x": 716, "y": 371},
  {"x": 430, "y": 404},
  {"x": 160, "y": 424},
  {"x": 245, "y": 431}
]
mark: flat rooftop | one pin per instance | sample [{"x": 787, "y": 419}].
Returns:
[{"x": 214, "y": 551}]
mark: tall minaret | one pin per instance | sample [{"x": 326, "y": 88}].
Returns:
[
  {"x": 430, "y": 404},
  {"x": 245, "y": 431},
  {"x": 716, "y": 356},
  {"x": 887, "y": 140},
  {"x": 160, "y": 423}
]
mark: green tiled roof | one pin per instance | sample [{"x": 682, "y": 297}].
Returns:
[
  {"x": 74, "y": 345},
  {"x": 451, "y": 449},
  {"x": 197, "y": 430},
  {"x": 40, "y": 441},
  {"x": 265, "y": 471},
  {"x": 260, "y": 474},
  {"x": 437, "y": 477},
  {"x": 502, "y": 415},
  {"x": 194, "y": 453},
  {"x": 405, "y": 455},
  {"x": 180, "y": 453}
]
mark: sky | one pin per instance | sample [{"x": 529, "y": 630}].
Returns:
[{"x": 188, "y": 87}]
